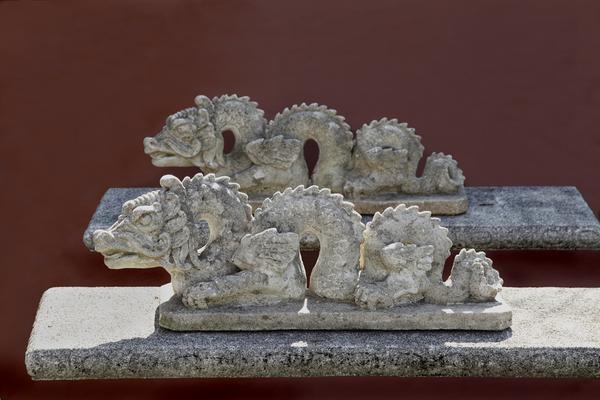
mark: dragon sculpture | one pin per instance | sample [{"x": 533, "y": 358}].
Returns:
[
  {"x": 269, "y": 156},
  {"x": 396, "y": 259}
]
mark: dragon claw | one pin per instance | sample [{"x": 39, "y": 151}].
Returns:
[{"x": 197, "y": 296}]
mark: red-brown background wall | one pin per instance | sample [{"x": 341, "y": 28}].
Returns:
[{"x": 510, "y": 88}]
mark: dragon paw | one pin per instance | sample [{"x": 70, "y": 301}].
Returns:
[
  {"x": 348, "y": 189},
  {"x": 372, "y": 296},
  {"x": 213, "y": 165},
  {"x": 354, "y": 189},
  {"x": 199, "y": 295}
]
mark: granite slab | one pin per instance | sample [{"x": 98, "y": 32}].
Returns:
[
  {"x": 504, "y": 217},
  {"x": 314, "y": 313},
  {"x": 112, "y": 332}
]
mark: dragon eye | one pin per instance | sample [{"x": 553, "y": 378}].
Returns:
[
  {"x": 185, "y": 132},
  {"x": 145, "y": 220}
]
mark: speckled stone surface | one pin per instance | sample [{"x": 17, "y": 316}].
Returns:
[
  {"x": 511, "y": 217},
  {"x": 83, "y": 333}
]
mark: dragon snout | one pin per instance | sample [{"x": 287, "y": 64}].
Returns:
[
  {"x": 102, "y": 239},
  {"x": 150, "y": 145}
]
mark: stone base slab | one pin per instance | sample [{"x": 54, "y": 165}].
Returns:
[
  {"x": 518, "y": 217},
  {"x": 113, "y": 332},
  {"x": 321, "y": 314}
]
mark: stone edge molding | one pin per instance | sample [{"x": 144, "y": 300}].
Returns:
[
  {"x": 107, "y": 333},
  {"x": 499, "y": 217},
  {"x": 374, "y": 169},
  {"x": 246, "y": 261}
]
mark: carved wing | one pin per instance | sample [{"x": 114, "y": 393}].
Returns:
[
  {"x": 267, "y": 251},
  {"x": 399, "y": 256},
  {"x": 276, "y": 152}
]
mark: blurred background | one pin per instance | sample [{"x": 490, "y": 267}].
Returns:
[{"x": 510, "y": 88}]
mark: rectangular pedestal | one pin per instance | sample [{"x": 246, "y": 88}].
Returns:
[
  {"x": 321, "y": 314},
  {"x": 83, "y": 333},
  {"x": 497, "y": 218}
]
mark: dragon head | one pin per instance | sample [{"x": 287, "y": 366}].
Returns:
[
  {"x": 184, "y": 137},
  {"x": 153, "y": 230}
]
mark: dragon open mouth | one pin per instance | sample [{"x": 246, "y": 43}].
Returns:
[
  {"x": 159, "y": 155},
  {"x": 164, "y": 159},
  {"x": 119, "y": 259}
]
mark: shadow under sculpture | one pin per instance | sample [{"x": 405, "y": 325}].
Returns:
[
  {"x": 375, "y": 170},
  {"x": 248, "y": 274}
]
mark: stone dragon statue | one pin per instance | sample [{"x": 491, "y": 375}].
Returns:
[
  {"x": 269, "y": 157},
  {"x": 396, "y": 259}
]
